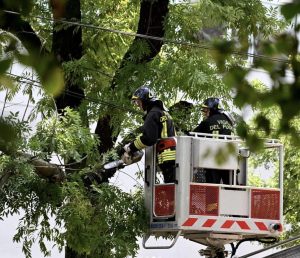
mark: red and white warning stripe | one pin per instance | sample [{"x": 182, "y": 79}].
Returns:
[{"x": 222, "y": 224}]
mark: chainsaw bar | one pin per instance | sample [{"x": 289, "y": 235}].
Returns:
[{"x": 113, "y": 164}]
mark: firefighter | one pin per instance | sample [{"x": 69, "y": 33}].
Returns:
[
  {"x": 216, "y": 121},
  {"x": 157, "y": 129}
]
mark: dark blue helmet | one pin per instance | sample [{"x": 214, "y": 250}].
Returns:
[
  {"x": 213, "y": 104},
  {"x": 144, "y": 93}
]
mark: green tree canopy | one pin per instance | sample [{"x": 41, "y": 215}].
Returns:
[{"x": 88, "y": 57}]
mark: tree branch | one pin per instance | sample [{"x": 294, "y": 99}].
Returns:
[
  {"x": 4, "y": 178},
  {"x": 48, "y": 170},
  {"x": 151, "y": 22},
  {"x": 13, "y": 23},
  {"x": 45, "y": 169}
]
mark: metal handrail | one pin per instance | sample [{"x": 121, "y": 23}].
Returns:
[{"x": 146, "y": 237}]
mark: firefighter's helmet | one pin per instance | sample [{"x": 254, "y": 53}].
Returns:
[
  {"x": 213, "y": 104},
  {"x": 144, "y": 93}
]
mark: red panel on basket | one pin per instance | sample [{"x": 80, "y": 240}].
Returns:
[
  {"x": 164, "y": 203},
  {"x": 204, "y": 200},
  {"x": 265, "y": 204}
]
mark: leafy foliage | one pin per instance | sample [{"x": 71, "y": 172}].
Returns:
[
  {"x": 187, "y": 67},
  {"x": 276, "y": 106},
  {"x": 112, "y": 212},
  {"x": 279, "y": 58},
  {"x": 64, "y": 135},
  {"x": 65, "y": 213}
]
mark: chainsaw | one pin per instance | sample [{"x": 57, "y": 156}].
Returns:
[
  {"x": 126, "y": 159},
  {"x": 102, "y": 175}
]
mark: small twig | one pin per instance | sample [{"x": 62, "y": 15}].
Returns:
[
  {"x": 27, "y": 105},
  {"x": 4, "y": 104},
  {"x": 130, "y": 177}
]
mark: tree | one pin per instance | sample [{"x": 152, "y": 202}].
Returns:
[{"x": 102, "y": 65}]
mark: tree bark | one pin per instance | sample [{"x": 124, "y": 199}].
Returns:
[
  {"x": 67, "y": 46},
  {"x": 153, "y": 14},
  {"x": 12, "y": 22}
]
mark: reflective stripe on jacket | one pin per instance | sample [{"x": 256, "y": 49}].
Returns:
[
  {"x": 158, "y": 124},
  {"x": 166, "y": 150}
]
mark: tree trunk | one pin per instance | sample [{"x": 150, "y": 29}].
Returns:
[
  {"x": 152, "y": 17},
  {"x": 12, "y": 22},
  {"x": 67, "y": 46}
]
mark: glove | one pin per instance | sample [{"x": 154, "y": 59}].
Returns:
[
  {"x": 127, "y": 158},
  {"x": 137, "y": 156},
  {"x": 127, "y": 148}
]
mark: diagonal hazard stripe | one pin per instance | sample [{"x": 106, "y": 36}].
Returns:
[
  {"x": 227, "y": 224},
  {"x": 190, "y": 222},
  {"x": 243, "y": 224},
  {"x": 261, "y": 226},
  {"x": 208, "y": 223}
]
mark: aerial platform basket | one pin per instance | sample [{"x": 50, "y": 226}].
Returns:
[{"x": 213, "y": 214}]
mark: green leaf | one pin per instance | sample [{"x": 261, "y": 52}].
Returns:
[
  {"x": 53, "y": 81},
  {"x": 9, "y": 137},
  {"x": 7, "y": 82},
  {"x": 254, "y": 142},
  {"x": 242, "y": 129},
  {"x": 4, "y": 65},
  {"x": 222, "y": 50},
  {"x": 290, "y": 10},
  {"x": 51, "y": 76},
  {"x": 264, "y": 123}
]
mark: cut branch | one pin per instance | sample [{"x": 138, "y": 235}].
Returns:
[
  {"x": 45, "y": 169},
  {"x": 42, "y": 168},
  {"x": 48, "y": 170}
]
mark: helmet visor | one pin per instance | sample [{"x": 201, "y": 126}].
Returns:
[{"x": 134, "y": 97}]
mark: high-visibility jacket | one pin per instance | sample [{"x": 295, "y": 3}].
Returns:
[{"x": 158, "y": 125}]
